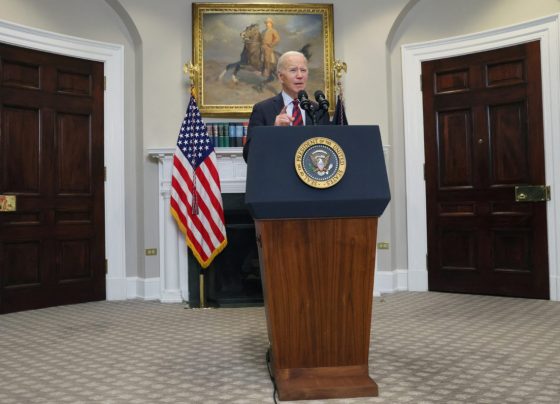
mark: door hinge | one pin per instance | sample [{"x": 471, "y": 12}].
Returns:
[
  {"x": 106, "y": 266},
  {"x": 424, "y": 169},
  {"x": 420, "y": 83},
  {"x": 104, "y": 82},
  {"x": 105, "y": 174},
  {"x": 426, "y": 261}
]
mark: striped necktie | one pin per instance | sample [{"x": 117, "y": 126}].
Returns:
[{"x": 296, "y": 114}]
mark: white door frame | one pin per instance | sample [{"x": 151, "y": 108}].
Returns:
[
  {"x": 546, "y": 30},
  {"x": 112, "y": 55}
]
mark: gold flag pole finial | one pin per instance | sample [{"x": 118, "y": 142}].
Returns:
[
  {"x": 339, "y": 67},
  {"x": 192, "y": 71}
]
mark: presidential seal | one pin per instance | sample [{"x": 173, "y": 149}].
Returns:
[{"x": 320, "y": 162}]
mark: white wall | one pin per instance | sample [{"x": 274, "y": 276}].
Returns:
[
  {"x": 437, "y": 19},
  {"x": 158, "y": 40},
  {"x": 165, "y": 29},
  {"x": 81, "y": 18},
  {"x": 360, "y": 32}
]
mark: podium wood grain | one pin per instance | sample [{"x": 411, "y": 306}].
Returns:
[{"x": 318, "y": 289}]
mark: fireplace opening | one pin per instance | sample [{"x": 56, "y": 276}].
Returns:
[{"x": 233, "y": 279}]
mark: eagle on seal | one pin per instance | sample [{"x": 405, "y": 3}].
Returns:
[{"x": 320, "y": 160}]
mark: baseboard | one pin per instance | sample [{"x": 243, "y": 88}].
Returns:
[
  {"x": 115, "y": 288},
  {"x": 390, "y": 281},
  {"x": 418, "y": 280},
  {"x": 555, "y": 288},
  {"x": 143, "y": 288},
  {"x": 149, "y": 288},
  {"x": 385, "y": 282}
]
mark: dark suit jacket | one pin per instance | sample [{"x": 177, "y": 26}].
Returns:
[{"x": 264, "y": 114}]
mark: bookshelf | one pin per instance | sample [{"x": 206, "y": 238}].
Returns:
[{"x": 227, "y": 134}]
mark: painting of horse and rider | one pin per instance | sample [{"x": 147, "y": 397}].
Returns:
[{"x": 238, "y": 52}]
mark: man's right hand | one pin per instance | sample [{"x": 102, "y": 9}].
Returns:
[{"x": 283, "y": 119}]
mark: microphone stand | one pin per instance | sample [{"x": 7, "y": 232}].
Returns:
[
  {"x": 311, "y": 113},
  {"x": 324, "y": 111}
]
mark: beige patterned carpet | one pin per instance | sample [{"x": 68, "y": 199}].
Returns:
[{"x": 425, "y": 348}]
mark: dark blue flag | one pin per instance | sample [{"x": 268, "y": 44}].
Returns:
[{"x": 339, "y": 117}]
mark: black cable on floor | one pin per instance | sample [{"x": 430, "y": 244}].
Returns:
[{"x": 275, "y": 392}]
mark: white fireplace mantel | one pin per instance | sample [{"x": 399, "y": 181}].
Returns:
[{"x": 173, "y": 258}]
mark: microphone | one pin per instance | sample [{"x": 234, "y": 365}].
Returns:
[
  {"x": 321, "y": 100},
  {"x": 304, "y": 100}
]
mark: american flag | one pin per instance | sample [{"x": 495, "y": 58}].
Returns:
[{"x": 196, "y": 196}]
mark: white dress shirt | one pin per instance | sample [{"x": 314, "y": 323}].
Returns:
[{"x": 289, "y": 102}]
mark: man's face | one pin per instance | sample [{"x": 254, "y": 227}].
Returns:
[{"x": 293, "y": 75}]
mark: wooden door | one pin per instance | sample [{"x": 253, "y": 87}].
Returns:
[
  {"x": 52, "y": 248},
  {"x": 483, "y": 136}
]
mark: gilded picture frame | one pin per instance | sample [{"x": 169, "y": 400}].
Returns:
[{"x": 236, "y": 45}]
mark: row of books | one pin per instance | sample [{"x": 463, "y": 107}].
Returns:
[{"x": 227, "y": 134}]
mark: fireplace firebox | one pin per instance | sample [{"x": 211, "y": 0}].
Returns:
[{"x": 233, "y": 279}]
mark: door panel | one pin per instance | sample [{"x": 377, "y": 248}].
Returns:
[
  {"x": 73, "y": 83},
  {"x": 512, "y": 250},
  {"x": 72, "y": 150},
  {"x": 19, "y": 74},
  {"x": 484, "y": 136},
  {"x": 509, "y": 144},
  {"x": 21, "y": 150},
  {"x": 455, "y": 153},
  {"x": 74, "y": 258},
  {"x": 22, "y": 264},
  {"x": 458, "y": 250},
  {"x": 51, "y": 157}
]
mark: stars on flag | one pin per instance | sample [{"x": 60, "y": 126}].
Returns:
[{"x": 193, "y": 138}]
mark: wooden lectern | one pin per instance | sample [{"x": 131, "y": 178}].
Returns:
[{"x": 317, "y": 257}]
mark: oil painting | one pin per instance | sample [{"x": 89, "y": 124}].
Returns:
[{"x": 236, "y": 47}]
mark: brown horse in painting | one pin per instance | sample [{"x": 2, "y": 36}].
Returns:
[{"x": 251, "y": 57}]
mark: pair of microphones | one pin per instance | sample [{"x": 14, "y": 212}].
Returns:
[{"x": 309, "y": 107}]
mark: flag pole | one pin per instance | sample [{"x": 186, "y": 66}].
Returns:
[
  {"x": 201, "y": 288},
  {"x": 192, "y": 72},
  {"x": 339, "y": 116}
]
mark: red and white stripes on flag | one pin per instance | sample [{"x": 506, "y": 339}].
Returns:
[{"x": 196, "y": 196}]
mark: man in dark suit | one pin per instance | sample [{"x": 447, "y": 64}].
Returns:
[{"x": 283, "y": 109}]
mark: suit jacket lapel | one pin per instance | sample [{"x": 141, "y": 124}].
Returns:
[{"x": 278, "y": 104}]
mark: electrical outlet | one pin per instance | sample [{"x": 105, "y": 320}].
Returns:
[
  {"x": 151, "y": 251},
  {"x": 383, "y": 245}
]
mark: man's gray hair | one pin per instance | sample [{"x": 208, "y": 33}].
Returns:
[{"x": 282, "y": 59}]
